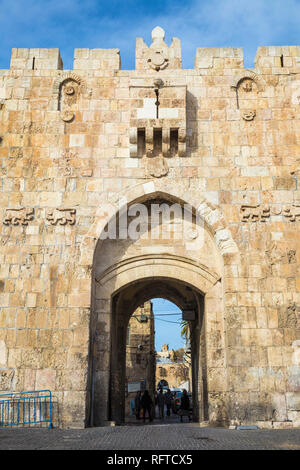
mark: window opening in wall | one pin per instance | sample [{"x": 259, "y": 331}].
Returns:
[
  {"x": 33, "y": 63},
  {"x": 174, "y": 141},
  {"x": 157, "y": 141},
  {"x": 281, "y": 60},
  {"x": 141, "y": 142}
]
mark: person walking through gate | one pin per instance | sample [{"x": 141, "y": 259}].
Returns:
[
  {"x": 137, "y": 405},
  {"x": 147, "y": 403},
  {"x": 168, "y": 401},
  {"x": 184, "y": 406},
  {"x": 161, "y": 404}
]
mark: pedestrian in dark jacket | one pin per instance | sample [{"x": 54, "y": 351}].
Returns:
[
  {"x": 184, "y": 405},
  {"x": 137, "y": 405},
  {"x": 161, "y": 404},
  {"x": 168, "y": 401},
  {"x": 147, "y": 403}
]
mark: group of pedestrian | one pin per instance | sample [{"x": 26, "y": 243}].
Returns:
[
  {"x": 145, "y": 403},
  {"x": 162, "y": 400}
]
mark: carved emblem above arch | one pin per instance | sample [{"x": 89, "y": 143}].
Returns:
[
  {"x": 247, "y": 86},
  {"x": 159, "y": 55},
  {"x": 157, "y": 166},
  {"x": 67, "y": 89}
]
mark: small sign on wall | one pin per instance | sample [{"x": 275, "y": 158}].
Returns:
[{"x": 136, "y": 386}]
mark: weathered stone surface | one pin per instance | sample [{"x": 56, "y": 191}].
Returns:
[
  {"x": 293, "y": 401},
  {"x": 6, "y": 379},
  {"x": 3, "y": 354}
]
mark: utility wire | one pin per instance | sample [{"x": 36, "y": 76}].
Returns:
[
  {"x": 169, "y": 321},
  {"x": 165, "y": 314}
]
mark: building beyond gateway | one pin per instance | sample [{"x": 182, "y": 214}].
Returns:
[
  {"x": 172, "y": 369},
  {"x": 84, "y": 153}
]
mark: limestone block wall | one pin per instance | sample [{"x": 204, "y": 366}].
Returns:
[{"x": 242, "y": 158}]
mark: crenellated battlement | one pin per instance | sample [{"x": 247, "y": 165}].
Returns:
[
  {"x": 219, "y": 57},
  {"x": 277, "y": 57},
  {"x": 97, "y": 59},
  {"x": 36, "y": 59},
  {"x": 158, "y": 57}
]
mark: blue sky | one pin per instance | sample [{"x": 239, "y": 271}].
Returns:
[
  {"x": 69, "y": 24},
  {"x": 167, "y": 318}
]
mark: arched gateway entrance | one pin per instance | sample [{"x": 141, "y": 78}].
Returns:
[
  {"x": 124, "y": 304},
  {"x": 178, "y": 258}
]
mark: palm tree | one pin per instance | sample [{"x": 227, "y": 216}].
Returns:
[{"x": 185, "y": 331}]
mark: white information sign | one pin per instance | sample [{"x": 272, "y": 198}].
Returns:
[{"x": 134, "y": 387}]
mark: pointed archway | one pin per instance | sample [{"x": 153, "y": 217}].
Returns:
[{"x": 121, "y": 266}]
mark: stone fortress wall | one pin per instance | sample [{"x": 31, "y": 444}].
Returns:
[{"x": 225, "y": 138}]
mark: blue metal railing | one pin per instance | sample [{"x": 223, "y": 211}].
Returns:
[{"x": 26, "y": 408}]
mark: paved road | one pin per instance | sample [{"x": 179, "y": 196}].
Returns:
[{"x": 156, "y": 436}]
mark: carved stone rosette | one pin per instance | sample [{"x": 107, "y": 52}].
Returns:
[
  {"x": 67, "y": 116},
  {"x": 248, "y": 115},
  {"x": 159, "y": 55}
]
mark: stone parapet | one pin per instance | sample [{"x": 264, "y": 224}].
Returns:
[
  {"x": 36, "y": 59},
  {"x": 219, "y": 58},
  {"x": 97, "y": 59},
  {"x": 277, "y": 57}
]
